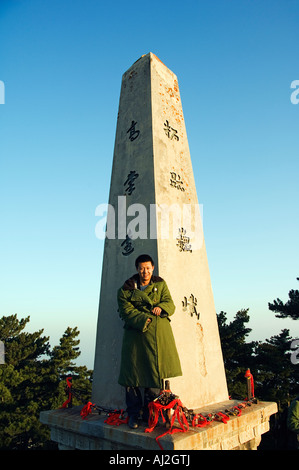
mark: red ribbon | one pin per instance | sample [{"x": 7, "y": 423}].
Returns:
[
  {"x": 199, "y": 424},
  {"x": 87, "y": 409},
  {"x": 155, "y": 409},
  {"x": 69, "y": 386},
  {"x": 116, "y": 418}
]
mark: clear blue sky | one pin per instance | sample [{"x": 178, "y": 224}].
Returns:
[{"x": 61, "y": 62}]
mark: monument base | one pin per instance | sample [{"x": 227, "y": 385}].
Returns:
[{"x": 242, "y": 432}]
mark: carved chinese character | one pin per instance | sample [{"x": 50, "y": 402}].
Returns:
[
  {"x": 183, "y": 242},
  {"x": 130, "y": 182},
  {"x": 127, "y": 246},
  {"x": 190, "y": 306},
  {"x": 170, "y": 131},
  {"x": 133, "y": 133},
  {"x": 176, "y": 182}
]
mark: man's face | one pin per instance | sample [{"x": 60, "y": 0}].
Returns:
[{"x": 145, "y": 271}]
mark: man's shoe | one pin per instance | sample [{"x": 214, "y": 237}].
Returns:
[{"x": 133, "y": 422}]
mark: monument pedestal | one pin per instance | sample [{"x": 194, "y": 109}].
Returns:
[{"x": 243, "y": 432}]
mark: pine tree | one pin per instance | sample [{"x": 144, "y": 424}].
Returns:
[
  {"x": 277, "y": 354},
  {"x": 237, "y": 354},
  {"x": 61, "y": 364},
  {"x": 290, "y": 309},
  {"x": 276, "y": 380},
  {"x": 277, "y": 377},
  {"x": 32, "y": 380}
]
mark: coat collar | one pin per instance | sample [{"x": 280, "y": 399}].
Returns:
[{"x": 133, "y": 282}]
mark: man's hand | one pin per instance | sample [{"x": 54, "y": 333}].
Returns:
[{"x": 157, "y": 311}]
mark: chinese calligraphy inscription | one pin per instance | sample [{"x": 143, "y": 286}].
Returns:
[
  {"x": 183, "y": 242},
  {"x": 127, "y": 246},
  {"x": 176, "y": 181},
  {"x": 170, "y": 131},
  {"x": 130, "y": 182},
  {"x": 189, "y": 305},
  {"x": 133, "y": 133}
]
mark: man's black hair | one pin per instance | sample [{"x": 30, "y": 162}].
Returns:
[{"x": 143, "y": 259}]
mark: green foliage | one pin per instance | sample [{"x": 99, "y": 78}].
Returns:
[
  {"x": 237, "y": 354},
  {"x": 288, "y": 310},
  {"x": 32, "y": 379},
  {"x": 277, "y": 377}
]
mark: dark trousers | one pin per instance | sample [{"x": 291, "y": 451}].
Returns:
[{"x": 135, "y": 405}]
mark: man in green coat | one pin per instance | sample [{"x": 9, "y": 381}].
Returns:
[{"x": 149, "y": 353}]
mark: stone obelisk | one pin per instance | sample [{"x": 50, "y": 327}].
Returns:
[{"x": 153, "y": 208}]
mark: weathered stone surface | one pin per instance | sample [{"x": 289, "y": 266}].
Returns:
[
  {"x": 242, "y": 432},
  {"x": 151, "y": 142}
]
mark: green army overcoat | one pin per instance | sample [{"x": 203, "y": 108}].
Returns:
[{"x": 149, "y": 353}]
